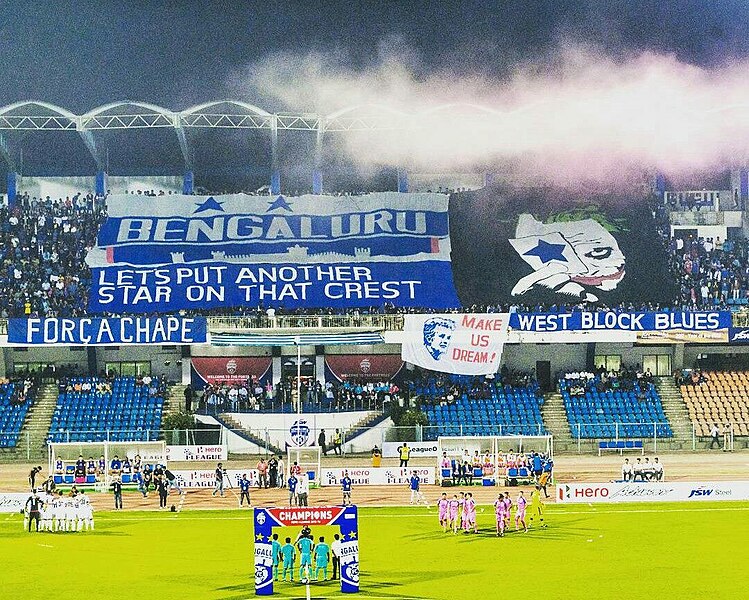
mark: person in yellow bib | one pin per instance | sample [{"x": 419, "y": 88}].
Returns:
[
  {"x": 537, "y": 509},
  {"x": 405, "y": 454}
]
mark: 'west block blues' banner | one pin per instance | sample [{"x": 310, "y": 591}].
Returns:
[
  {"x": 180, "y": 252},
  {"x": 108, "y": 331},
  {"x": 621, "y": 321}
]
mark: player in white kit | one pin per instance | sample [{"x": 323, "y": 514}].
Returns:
[{"x": 86, "y": 512}]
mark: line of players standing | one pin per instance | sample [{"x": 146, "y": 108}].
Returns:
[
  {"x": 56, "y": 512},
  {"x": 285, "y": 556},
  {"x": 459, "y": 512}
]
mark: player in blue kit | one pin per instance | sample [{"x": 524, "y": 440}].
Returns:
[
  {"x": 288, "y": 555},
  {"x": 305, "y": 545},
  {"x": 244, "y": 490},
  {"x": 322, "y": 558},
  {"x": 414, "y": 484},
  {"x": 346, "y": 485},
  {"x": 276, "y": 546}
]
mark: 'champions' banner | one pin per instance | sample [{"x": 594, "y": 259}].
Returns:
[
  {"x": 112, "y": 331},
  {"x": 179, "y": 252},
  {"x": 463, "y": 344}
]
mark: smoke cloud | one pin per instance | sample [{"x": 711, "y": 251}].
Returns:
[{"x": 581, "y": 115}]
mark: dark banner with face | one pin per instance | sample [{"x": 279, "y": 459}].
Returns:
[{"x": 552, "y": 246}]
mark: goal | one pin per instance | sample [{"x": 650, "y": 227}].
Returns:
[
  {"x": 501, "y": 457},
  {"x": 308, "y": 458},
  {"x": 63, "y": 455}
]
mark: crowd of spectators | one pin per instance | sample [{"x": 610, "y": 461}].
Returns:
[
  {"x": 44, "y": 241},
  {"x": 449, "y": 388},
  {"x": 604, "y": 380},
  {"x": 253, "y": 395},
  {"x": 43, "y": 246}
]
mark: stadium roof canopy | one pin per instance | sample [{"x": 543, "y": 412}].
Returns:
[{"x": 33, "y": 115}]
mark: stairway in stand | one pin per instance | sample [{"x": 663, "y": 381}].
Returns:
[
  {"x": 676, "y": 412},
  {"x": 236, "y": 427},
  {"x": 556, "y": 423},
  {"x": 175, "y": 400},
  {"x": 32, "y": 443}
]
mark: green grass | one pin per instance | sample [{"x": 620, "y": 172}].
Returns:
[{"x": 602, "y": 552}]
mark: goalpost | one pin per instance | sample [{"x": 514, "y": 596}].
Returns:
[
  {"x": 500, "y": 456},
  {"x": 308, "y": 458},
  {"x": 63, "y": 455}
]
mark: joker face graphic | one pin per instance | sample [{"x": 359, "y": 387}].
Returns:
[{"x": 569, "y": 258}]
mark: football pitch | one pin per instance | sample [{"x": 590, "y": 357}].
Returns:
[{"x": 598, "y": 552}]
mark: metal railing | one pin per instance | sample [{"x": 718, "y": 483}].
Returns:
[
  {"x": 655, "y": 431},
  {"x": 315, "y": 322}
]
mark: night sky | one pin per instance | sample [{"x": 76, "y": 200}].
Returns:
[
  {"x": 84, "y": 53},
  {"x": 176, "y": 54}
]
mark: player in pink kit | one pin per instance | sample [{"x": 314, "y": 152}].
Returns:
[
  {"x": 454, "y": 509},
  {"x": 508, "y": 509},
  {"x": 499, "y": 513},
  {"x": 469, "y": 514},
  {"x": 520, "y": 512},
  {"x": 443, "y": 504}
]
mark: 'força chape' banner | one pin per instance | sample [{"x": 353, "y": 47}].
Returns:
[
  {"x": 464, "y": 344},
  {"x": 107, "y": 331},
  {"x": 181, "y": 252}
]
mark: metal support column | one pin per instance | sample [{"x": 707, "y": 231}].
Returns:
[{"x": 275, "y": 170}]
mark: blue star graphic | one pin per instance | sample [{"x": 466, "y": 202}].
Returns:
[
  {"x": 279, "y": 202},
  {"x": 547, "y": 252},
  {"x": 210, "y": 203}
]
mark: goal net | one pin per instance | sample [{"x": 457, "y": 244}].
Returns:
[
  {"x": 308, "y": 459},
  {"x": 98, "y": 457},
  {"x": 496, "y": 459}
]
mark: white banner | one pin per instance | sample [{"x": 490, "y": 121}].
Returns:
[
  {"x": 207, "y": 478},
  {"x": 681, "y": 491},
  {"x": 377, "y": 476},
  {"x": 464, "y": 344},
  {"x": 192, "y": 453},
  {"x": 390, "y": 449},
  {"x": 13, "y": 503}
]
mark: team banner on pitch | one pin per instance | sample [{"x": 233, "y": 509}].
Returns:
[
  {"x": 180, "y": 252},
  {"x": 108, "y": 331},
  {"x": 464, "y": 344}
]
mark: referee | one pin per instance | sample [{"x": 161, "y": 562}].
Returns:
[{"x": 34, "y": 506}]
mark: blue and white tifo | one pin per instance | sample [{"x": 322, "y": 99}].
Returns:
[{"x": 178, "y": 252}]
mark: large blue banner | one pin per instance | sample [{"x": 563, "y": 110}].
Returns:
[
  {"x": 621, "y": 321},
  {"x": 109, "y": 331},
  {"x": 178, "y": 252}
]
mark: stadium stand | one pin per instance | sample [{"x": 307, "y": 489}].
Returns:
[
  {"x": 15, "y": 400},
  {"x": 718, "y": 398},
  {"x": 89, "y": 409},
  {"x": 600, "y": 408},
  {"x": 43, "y": 243},
  {"x": 464, "y": 405}
]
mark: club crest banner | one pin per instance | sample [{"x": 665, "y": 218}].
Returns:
[
  {"x": 462, "y": 344},
  {"x": 180, "y": 252}
]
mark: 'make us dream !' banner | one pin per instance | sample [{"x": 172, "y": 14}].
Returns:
[
  {"x": 181, "y": 252},
  {"x": 463, "y": 344}
]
